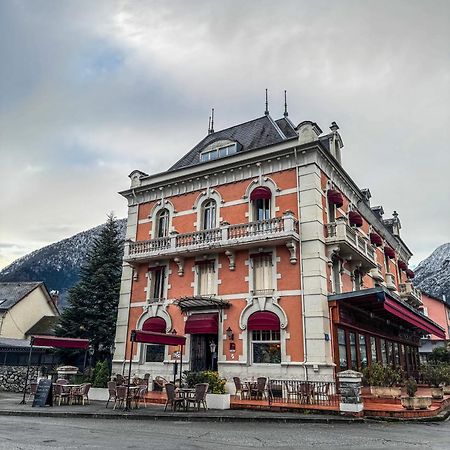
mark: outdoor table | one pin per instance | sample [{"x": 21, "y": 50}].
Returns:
[
  {"x": 184, "y": 393},
  {"x": 250, "y": 385},
  {"x": 132, "y": 392}
]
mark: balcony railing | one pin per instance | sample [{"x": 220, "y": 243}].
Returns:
[
  {"x": 410, "y": 294},
  {"x": 351, "y": 242},
  {"x": 265, "y": 232}
]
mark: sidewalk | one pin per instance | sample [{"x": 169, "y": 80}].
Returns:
[{"x": 9, "y": 406}]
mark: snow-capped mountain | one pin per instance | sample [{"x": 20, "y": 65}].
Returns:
[
  {"x": 433, "y": 273},
  {"x": 57, "y": 264}
]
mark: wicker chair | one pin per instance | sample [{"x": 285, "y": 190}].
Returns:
[
  {"x": 82, "y": 394},
  {"x": 60, "y": 394},
  {"x": 260, "y": 390},
  {"x": 199, "y": 398},
  {"x": 33, "y": 389},
  {"x": 111, "y": 391},
  {"x": 141, "y": 396},
  {"x": 121, "y": 396},
  {"x": 172, "y": 398},
  {"x": 242, "y": 391},
  {"x": 159, "y": 383}
]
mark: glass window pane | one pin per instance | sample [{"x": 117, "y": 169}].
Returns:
[
  {"x": 342, "y": 350},
  {"x": 373, "y": 348},
  {"x": 383, "y": 351},
  {"x": 154, "y": 353},
  {"x": 268, "y": 353},
  {"x": 363, "y": 350},
  {"x": 352, "y": 341}
]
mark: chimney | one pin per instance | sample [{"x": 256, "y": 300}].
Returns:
[
  {"x": 336, "y": 142},
  {"x": 54, "y": 295}
]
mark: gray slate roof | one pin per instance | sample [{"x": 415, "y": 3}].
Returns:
[
  {"x": 251, "y": 135},
  {"x": 45, "y": 326},
  {"x": 12, "y": 292}
]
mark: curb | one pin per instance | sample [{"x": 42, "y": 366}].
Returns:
[{"x": 189, "y": 418}]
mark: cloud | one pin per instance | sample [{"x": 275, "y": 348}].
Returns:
[{"x": 90, "y": 91}]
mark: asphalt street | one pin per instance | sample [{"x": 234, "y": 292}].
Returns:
[{"x": 70, "y": 433}]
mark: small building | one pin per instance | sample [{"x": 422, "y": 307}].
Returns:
[
  {"x": 438, "y": 310},
  {"x": 261, "y": 249}
]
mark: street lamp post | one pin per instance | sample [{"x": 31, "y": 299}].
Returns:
[{"x": 212, "y": 347}]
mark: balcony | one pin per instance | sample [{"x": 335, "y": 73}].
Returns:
[
  {"x": 279, "y": 231},
  {"x": 390, "y": 281},
  {"x": 350, "y": 244},
  {"x": 410, "y": 294}
]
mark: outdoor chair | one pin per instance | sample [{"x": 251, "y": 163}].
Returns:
[
  {"x": 111, "y": 391},
  {"x": 172, "y": 397},
  {"x": 60, "y": 394},
  {"x": 33, "y": 389},
  {"x": 121, "y": 395},
  {"x": 242, "y": 391},
  {"x": 146, "y": 379},
  {"x": 120, "y": 380},
  {"x": 82, "y": 394},
  {"x": 140, "y": 396},
  {"x": 159, "y": 383},
  {"x": 259, "y": 391},
  {"x": 199, "y": 398}
]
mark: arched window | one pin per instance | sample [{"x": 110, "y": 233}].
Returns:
[
  {"x": 162, "y": 223},
  {"x": 154, "y": 352},
  {"x": 264, "y": 327},
  {"x": 261, "y": 198},
  {"x": 209, "y": 210}
]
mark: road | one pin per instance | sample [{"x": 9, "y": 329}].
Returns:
[{"x": 54, "y": 433}]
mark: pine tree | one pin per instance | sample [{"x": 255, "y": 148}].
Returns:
[{"x": 92, "y": 304}]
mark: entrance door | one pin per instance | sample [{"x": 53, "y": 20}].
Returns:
[{"x": 201, "y": 356}]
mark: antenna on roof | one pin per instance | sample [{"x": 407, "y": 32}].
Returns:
[
  {"x": 266, "y": 112},
  {"x": 209, "y": 125},
  {"x": 212, "y": 120},
  {"x": 285, "y": 105}
]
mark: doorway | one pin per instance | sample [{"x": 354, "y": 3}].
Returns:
[{"x": 202, "y": 358}]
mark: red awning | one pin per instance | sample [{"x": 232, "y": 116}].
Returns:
[
  {"x": 335, "y": 197},
  {"x": 410, "y": 273},
  {"x": 402, "y": 265},
  {"x": 263, "y": 320},
  {"x": 376, "y": 239},
  {"x": 59, "y": 342},
  {"x": 155, "y": 324},
  {"x": 260, "y": 192},
  {"x": 148, "y": 337},
  {"x": 397, "y": 309},
  {"x": 206, "y": 323},
  {"x": 355, "y": 219},
  {"x": 389, "y": 252}
]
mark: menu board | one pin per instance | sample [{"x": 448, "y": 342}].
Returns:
[{"x": 44, "y": 394}]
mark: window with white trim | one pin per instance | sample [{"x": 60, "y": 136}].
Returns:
[
  {"x": 206, "y": 278},
  {"x": 162, "y": 223},
  {"x": 266, "y": 347},
  {"x": 220, "y": 152},
  {"x": 262, "y": 274},
  {"x": 157, "y": 285},
  {"x": 209, "y": 212}
]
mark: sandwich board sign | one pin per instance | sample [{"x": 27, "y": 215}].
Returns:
[{"x": 44, "y": 394}]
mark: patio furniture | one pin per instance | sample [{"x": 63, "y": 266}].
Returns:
[
  {"x": 140, "y": 396},
  {"x": 159, "y": 383},
  {"x": 199, "y": 397},
  {"x": 111, "y": 391},
  {"x": 242, "y": 391},
  {"x": 120, "y": 380},
  {"x": 60, "y": 394},
  {"x": 121, "y": 395},
  {"x": 146, "y": 379},
  {"x": 81, "y": 393},
  {"x": 259, "y": 391},
  {"x": 172, "y": 398},
  {"x": 302, "y": 392},
  {"x": 33, "y": 389}
]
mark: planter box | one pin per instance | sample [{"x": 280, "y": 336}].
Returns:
[
  {"x": 416, "y": 402},
  {"x": 98, "y": 394},
  {"x": 218, "y": 401},
  {"x": 437, "y": 393},
  {"x": 383, "y": 391},
  {"x": 447, "y": 390}
]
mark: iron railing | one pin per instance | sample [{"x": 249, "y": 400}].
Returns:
[{"x": 317, "y": 393}]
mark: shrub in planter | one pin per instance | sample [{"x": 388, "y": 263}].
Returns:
[
  {"x": 434, "y": 375},
  {"x": 411, "y": 401},
  {"x": 411, "y": 387},
  {"x": 383, "y": 380},
  {"x": 101, "y": 375},
  {"x": 216, "y": 384}
]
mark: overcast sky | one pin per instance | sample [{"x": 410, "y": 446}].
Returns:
[{"x": 90, "y": 90}]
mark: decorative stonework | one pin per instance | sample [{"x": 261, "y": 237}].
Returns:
[
  {"x": 12, "y": 378},
  {"x": 350, "y": 391},
  {"x": 256, "y": 304}
]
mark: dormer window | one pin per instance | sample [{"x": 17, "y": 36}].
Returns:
[{"x": 219, "y": 152}]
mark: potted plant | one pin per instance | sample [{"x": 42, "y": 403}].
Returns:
[
  {"x": 217, "y": 397},
  {"x": 383, "y": 380},
  {"x": 446, "y": 376},
  {"x": 411, "y": 401},
  {"x": 434, "y": 376}
]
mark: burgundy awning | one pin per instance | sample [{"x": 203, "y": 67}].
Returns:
[
  {"x": 402, "y": 265},
  {"x": 410, "y": 273},
  {"x": 263, "y": 320},
  {"x": 376, "y": 239},
  {"x": 60, "y": 342},
  {"x": 335, "y": 197},
  {"x": 355, "y": 219},
  {"x": 155, "y": 324},
  {"x": 149, "y": 337},
  {"x": 260, "y": 192},
  {"x": 397, "y": 309},
  {"x": 205, "y": 323},
  {"x": 389, "y": 252}
]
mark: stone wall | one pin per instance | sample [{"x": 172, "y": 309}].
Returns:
[{"x": 12, "y": 378}]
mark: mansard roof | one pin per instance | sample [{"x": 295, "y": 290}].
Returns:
[{"x": 251, "y": 135}]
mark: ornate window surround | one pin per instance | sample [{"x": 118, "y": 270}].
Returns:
[
  {"x": 261, "y": 181},
  {"x": 160, "y": 205}
]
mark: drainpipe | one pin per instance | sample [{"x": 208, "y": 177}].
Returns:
[
  {"x": 305, "y": 355},
  {"x": 2, "y": 317}
]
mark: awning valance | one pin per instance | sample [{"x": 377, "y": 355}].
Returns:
[
  {"x": 260, "y": 192},
  {"x": 155, "y": 324},
  {"x": 376, "y": 239},
  {"x": 59, "y": 342},
  {"x": 389, "y": 252},
  {"x": 410, "y": 273},
  {"x": 207, "y": 323},
  {"x": 149, "y": 337},
  {"x": 402, "y": 265},
  {"x": 263, "y": 320},
  {"x": 335, "y": 197},
  {"x": 355, "y": 219}
]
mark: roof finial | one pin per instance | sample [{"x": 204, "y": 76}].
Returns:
[
  {"x": 212, "y": 120},
  {"x": 209, "y": 125},
  {"x": 266, "y": 112},
  {"x": 285, "y": 105}
]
